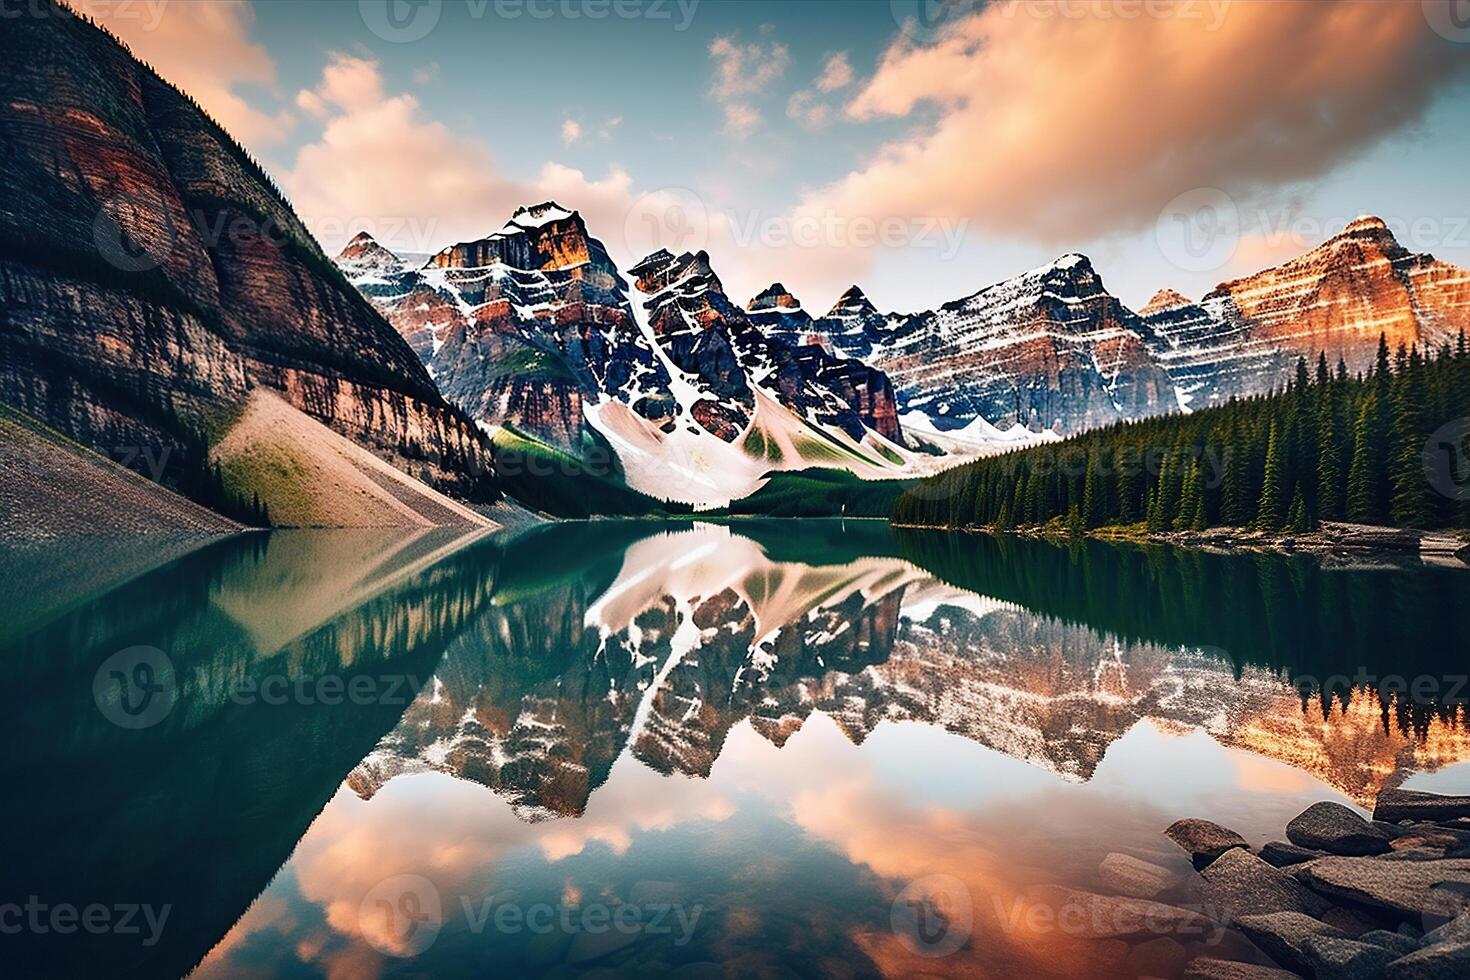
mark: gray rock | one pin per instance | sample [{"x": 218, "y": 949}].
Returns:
[
  {"x": 1205, "y": 841},
  {"x": 1404, "y": 804},
  {"x": 1280, "y": 854},
  {"x": 1457, "y": 930},
  {"x": 1447, "y": 961},
  {"x": 1281, "y": 935},
  {"x": 1414, "y": 890},
  {"x": 1391, "y": 829},
  {"x": 1344, "y": 959},
  {"x": 1211, "y": 969},
  {"x": 1333, "y": 828},
  {"x": 1129, "y": 876},
  {"x": 1354, "y": 922},
  {"x": 1239, "y": 883},
  {"x": 1400, "y": 944},
  {"x": 1089, "y": 916}
]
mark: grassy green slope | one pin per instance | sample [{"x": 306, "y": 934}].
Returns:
[
  {"x": 819, "y": 492},
  {"x": 555, "y": 482}
]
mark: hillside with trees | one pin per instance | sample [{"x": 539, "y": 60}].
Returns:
[{"x": 1384, "y": 448}]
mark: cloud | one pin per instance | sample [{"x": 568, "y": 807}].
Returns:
[
  {"x": 836, "y": 73},
  {"x": 383, "y": 165},
  {"x": 741, "y": 119},
  {"x": 1058, "y": 130},
  {"x": 743, "y": 71},
  {"x": 204, "y": 49},
  {"x": 805, "y": 105},
  {"x": 571, "y": 131},
  {"x": 805, "y": 109}
]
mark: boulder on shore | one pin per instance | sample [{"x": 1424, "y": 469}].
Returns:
[
  {"x": 1204, "y": 840},
  {"x": 1405, "y": 804},
  {"x": 1239, "y": 883},
  {"x": 1212, "y": 969},
  {"x": 1130, "y": 876},
  {"x": 1419, "y": 891},
  {"x": 1333, "y": 828},
  {"x": 1281, "y": 936}
]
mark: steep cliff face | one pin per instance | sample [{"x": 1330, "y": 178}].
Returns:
[
  {"x": 779, "y": 315},
  {"x": 151, "y": 273},
  {"x": 1049, "y": 349},
  {"x": 854, "y": 326},
  {"x": 527, "y": 325},
  {"x": 1246, "y": 335},
  {"x": 730, "y": 353}
]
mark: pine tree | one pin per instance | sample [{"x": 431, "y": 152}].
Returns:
[
  {"x": 1094, "y": 493},
  {"x": 1365, "y": 475},
  {"x": 1298, "y": 520},
  {"x": 1234, "y": 510},
  {"x": 1273, "y": 491},
  {"x": 1331, "y": 478},
  {"x": 1192, "y": 497},
  {"x": 1411, "y": 505}
]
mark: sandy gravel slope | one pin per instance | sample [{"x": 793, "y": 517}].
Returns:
[
  {"x": 51, "y": 488},
  {"x": 309, "y": 476}
]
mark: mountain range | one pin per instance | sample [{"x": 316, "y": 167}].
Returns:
[
  {"x": 157, "y": 291},
  {"x": 1047, "y": 352}
]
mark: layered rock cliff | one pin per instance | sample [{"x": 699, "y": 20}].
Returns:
[
  {"x": 732, "y": 352},
  {"x": 151, "y": 274},
  {"x": 1337, "y": 299},
  {"x": 526, "y": 326},
  {"x": 1050, "y": 348}
]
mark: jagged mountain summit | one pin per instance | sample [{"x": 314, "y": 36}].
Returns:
[
  {"x": 1337, "y": 299},
  {"x": 1048, "y": 349},
  {"x": 534, "y": 326},
  {"x": 524, "y": 326}
]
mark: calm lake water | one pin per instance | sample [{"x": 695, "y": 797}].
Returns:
[{"x": 784, "y": 749}]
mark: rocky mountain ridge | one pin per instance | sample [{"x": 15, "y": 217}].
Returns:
[
  {"x": 534, "y": 326},
  {"x": 151, "y": 275}
]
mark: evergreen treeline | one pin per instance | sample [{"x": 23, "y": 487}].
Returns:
[{"x": 1329, "y": 447}]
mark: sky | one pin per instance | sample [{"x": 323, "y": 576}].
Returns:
[{"x": 922, "y": 149}]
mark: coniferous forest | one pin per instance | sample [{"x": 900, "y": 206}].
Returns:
[{"x": 1386, "y": 448}]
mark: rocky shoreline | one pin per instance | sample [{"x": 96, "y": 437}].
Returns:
[
  {"x": 1346, "y": 542},
  {"x": 1342, "y": 897},
  {"x": 1339, "y": 539}
]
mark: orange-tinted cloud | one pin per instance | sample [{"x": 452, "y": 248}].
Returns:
[
  {"x": 205, "y": 49},
  {"x": 382, "y": 164},
  {"x": 1063, "y": 128}
]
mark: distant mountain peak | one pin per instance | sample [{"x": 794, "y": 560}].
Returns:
[
  {"x": 365, "y": 253},
  {"x": 853, "y": 301},
  {"x": 1368, "y": 223},
  {"x": 775, "y": 296},
  {"x": 1163, "y": 301},
  {"x": 544, "y": 213}
]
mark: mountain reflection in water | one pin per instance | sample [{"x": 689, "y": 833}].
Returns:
[{"x": 608, "y": 712}]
